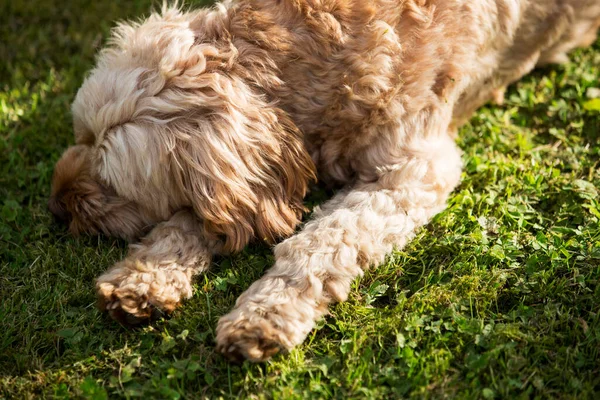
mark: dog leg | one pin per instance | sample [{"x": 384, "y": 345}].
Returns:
[
  {"x": 354, "y": 230},
  {"x": 157, "y": 273}
]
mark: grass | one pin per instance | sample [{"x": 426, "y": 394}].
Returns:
[{"x": 498, "y": 297}]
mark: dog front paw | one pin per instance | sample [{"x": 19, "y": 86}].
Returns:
[
  {"x": 134, "y": 292},
  {"x": 247, "y": 335}
]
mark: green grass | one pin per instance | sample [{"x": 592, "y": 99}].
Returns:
[{"x": 498, "y": 297}]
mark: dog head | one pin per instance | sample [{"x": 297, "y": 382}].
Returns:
[{"x": 171, "y": 118}]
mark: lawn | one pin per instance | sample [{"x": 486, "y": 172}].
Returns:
[{"x": 498, "y": 297}]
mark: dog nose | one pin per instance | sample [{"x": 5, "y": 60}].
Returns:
[{"x": 57, "y": 209}]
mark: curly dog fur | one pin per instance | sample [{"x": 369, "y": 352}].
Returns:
[{"x": 205, "y": 128}]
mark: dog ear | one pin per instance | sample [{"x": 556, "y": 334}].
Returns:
[
  {"x": 242, "y": 161},
  {"x": 249, "y": 180}
]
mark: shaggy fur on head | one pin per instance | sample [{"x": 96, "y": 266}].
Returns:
[
  {"x": 208, "y": 127},
  {"x": 172, "y": 121}
]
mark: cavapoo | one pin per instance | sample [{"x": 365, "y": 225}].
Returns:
[{"x": 201, "y": 131}]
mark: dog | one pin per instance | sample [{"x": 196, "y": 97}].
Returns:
[{"x": 200, "y": 131}]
